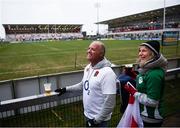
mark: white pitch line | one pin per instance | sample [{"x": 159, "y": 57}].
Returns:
[{"x": 56, "y": 115}]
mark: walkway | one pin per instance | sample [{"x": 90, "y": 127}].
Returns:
[{"x": 172, "y": 120}]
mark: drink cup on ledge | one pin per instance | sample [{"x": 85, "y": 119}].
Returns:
[{"x": 47, "y": 87}]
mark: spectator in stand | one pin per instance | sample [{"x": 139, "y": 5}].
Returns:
[
  {"x": 150, "y": 83},
  {"x": 98, "y": 85}
]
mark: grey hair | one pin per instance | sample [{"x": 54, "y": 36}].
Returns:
[{"x": 101, "y": 44}]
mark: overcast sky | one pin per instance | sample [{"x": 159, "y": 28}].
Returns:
[{"x": 73, "y": 11}]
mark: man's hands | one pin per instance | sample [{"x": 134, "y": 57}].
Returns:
[
  {"x": 91, "y": 123},
  {"x": 130, "y": 88},
  {"x": 60, "y": 91}
]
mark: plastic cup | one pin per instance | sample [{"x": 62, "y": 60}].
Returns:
[{"x": 47, "y": 87}]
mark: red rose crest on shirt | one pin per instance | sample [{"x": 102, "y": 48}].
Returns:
[{"x": 96, "y": 73}]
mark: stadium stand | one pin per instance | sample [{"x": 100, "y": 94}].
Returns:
[
  {"x": 37, "y": 32},
  {"x": 144, "y": 26}
]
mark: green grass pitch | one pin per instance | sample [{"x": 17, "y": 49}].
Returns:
[{"x": 38, "y": 58}]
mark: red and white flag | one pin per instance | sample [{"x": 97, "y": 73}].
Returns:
[{"x": 131, "y": 116}]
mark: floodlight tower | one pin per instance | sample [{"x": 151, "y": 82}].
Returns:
[
  {"x": 164, "y": 16},
  {"x": 97, "y": 5},
  {"x": 164, "y": 22}
]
